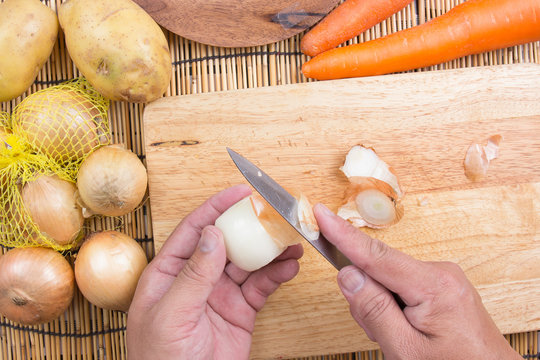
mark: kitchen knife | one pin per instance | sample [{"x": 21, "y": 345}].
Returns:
[{"x": 286, "y": 205}]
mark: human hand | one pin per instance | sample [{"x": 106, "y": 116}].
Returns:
[
  {"x": 444, "y": 317},
  {"x": 190, "y": 303}
]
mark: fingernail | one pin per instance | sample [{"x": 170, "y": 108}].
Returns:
[
  {"x": 209, "y": 240},
  {"x": 326, "y": 211},
  {"x": 352, "y": 279}
]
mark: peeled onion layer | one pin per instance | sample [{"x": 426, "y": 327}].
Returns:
[
  {"x": 373, "y": 197},
  {"x": 364, "y": 162},
  {"x": 370, "y": 202},
  {"x": 52, "y": 205},
  {"x": 36, "y": 285},
  {"x": 255, "y": 233}
]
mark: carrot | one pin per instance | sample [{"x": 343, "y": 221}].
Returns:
[
  {"x": 348, "y": 20},
  {"x": 473, "y": 27}
]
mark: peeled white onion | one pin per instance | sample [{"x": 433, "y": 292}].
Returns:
[
  {"x": 52, "y": 204},
  {"x": 111, "y": 181},
  {"x": 36, "y": 285},
  {"x": 373, "y": 196},
  {"x": 107, "y": 269},
  {"x": 255, "y": 234}
]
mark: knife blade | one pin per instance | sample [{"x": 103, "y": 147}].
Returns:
[{"x": 286, "y": 205}]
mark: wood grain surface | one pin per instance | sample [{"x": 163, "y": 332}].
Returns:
[
  {"x": 422, "y": 125},
  {"x": 237, "y": 23}
]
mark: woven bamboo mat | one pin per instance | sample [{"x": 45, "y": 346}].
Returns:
[{"x": 87, "y": 332}]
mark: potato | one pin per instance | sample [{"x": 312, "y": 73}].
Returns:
[
  {"x": 28, "y": 32},
  {"x": 118, "y": 47}
]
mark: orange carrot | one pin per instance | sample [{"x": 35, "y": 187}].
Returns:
[
  {"x": 473, "y": 27},
  {"x": 348, "y": 20}
]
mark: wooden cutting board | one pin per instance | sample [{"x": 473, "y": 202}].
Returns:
[
  {"x": 237, "y": 23},
  {"x": 422, "y": 125}
]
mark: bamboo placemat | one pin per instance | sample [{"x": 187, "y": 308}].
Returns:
[{"x": 88, "y": 332}]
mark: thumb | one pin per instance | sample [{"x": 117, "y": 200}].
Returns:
[
  {"x": 200, "y": 274},
  {"x": 376, "y": 311}
]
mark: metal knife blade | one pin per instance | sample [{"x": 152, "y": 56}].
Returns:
[{"x": 286, "y": 205}]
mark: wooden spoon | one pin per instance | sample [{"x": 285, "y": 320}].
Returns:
[{"x": 237, "y": 23}]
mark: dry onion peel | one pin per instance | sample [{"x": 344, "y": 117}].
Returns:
[
  {"x": 111, "y": 181},
  {"x": 255, "y": 233},
  {"x": 373, "y": 196},
  {"x": 478, "y": 157},
  {"x": 306, "y": 218},
  {"x": 107, "y": 269},
  {"x": 36, "y": 285}
]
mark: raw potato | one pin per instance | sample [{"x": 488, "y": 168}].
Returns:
[
  {"x": 28, "y": 32},
  {"x": 118, "y": 47}
]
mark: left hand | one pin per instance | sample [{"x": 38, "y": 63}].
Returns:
[{"x": 190, "y": 303}]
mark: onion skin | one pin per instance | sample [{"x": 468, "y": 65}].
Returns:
[
  {"x": 111, "y": 181},
  {"x": 60, "y": 123},
  {"x": 52, "y": 205},
  {"x": 107, "y": 269},
  {"x": 36, "y": 285}
]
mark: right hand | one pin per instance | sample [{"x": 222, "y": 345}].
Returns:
[{"x": 444, "y": 317}]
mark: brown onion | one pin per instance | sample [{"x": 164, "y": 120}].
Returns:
[
  {"x": 111, "y": 181},
  {"x": 52, "y": 204},
  {"x": 107, "y": 269},
  {"x": 36, "y": 285}
]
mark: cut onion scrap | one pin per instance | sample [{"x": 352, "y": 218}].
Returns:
[
  {"x": 255, "y": 233},
  {"x": 478, "y": 157},
  {"x": 373, "y": 197}
]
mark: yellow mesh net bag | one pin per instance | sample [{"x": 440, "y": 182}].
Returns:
[
  {"x": 64, "y": 122},
  {"x": 42, "y": 146}
]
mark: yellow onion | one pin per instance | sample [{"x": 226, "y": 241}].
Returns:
[
  {"x": 111, "y": 181},
  {"x": 61, "y": 123},
  {"x": 36, "y": 285},
  {"x": 373, "y": 196},
  {"x": 107, "y": 269},
  {"x": 255, "y": 233},
  {"x": 52, "y": 204}
]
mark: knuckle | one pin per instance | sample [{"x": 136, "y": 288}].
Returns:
[
  {"x": 377, "y": 251},
  {"x": 454, "y": 289},
  {"x": 450, "y": 276},
  {"x": 193, "y": 271},
  {"x": 373, "y": 309}
]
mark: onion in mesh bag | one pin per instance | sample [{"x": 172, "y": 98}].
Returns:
[{"x": 62, "y": 122}]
